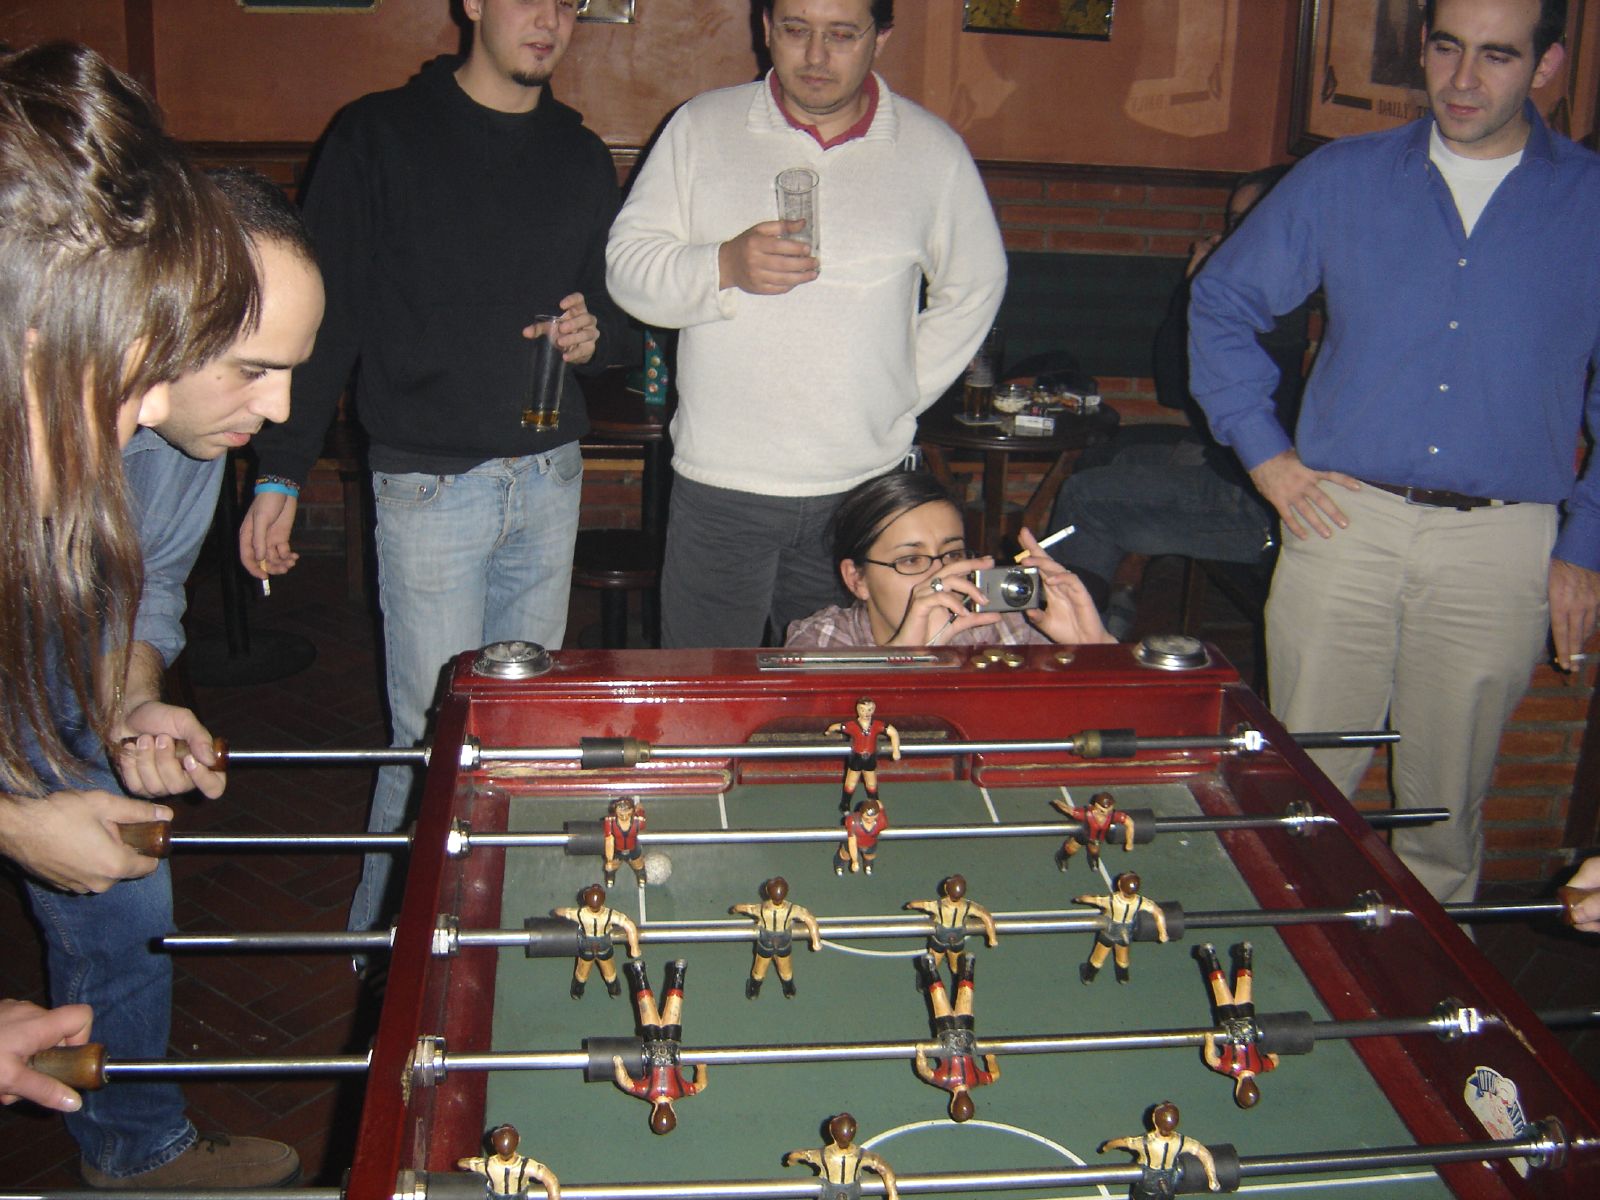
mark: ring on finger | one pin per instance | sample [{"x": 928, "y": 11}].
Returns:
[{"x": 936, "y": 584}]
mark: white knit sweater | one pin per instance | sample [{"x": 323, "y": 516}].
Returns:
[{"x": 814, "y": 391}]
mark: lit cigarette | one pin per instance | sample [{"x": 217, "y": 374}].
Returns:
[
  {"x": 1059, "y": 535},
  {"x": 266, "y": 584}
]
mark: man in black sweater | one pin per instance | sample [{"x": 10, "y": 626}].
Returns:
[{"x": 447, "y": 214}]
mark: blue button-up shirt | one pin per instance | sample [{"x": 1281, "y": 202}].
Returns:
[
  {"x": 172, "y": 497},
  {"x": 1448, "y": 361}
]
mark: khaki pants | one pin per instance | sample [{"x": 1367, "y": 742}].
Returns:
[{"x": 1433, "y": 618}]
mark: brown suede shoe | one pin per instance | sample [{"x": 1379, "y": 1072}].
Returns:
[{"x": 214, "y": 1161}]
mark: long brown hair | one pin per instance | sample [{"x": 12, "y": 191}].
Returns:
[{"x": 120, "y": 269}]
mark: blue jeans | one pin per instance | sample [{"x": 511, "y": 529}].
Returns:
[
  {"x": 1157, "y": 495},
  {"x": 98, "y": 951},
  {"x": 463, "y": 560}
]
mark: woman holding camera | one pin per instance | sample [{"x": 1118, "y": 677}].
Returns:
[{"x": 901, "y": 550}]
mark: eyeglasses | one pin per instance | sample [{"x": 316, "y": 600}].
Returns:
[
  {"x": 916, "y": 564},
  {"x": 835, "y": 37}
]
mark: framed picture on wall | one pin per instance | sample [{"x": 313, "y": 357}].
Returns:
[
  {"x": 1357, "y": 69},
  {"x": 611, "y": 12},
  {"x": 1041, "y": 18},
  {"x": 310, "y": 6}
]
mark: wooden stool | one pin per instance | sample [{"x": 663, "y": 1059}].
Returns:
[{"x": 617, "y": 562}]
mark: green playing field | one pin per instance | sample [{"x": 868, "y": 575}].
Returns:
[{"x": 1047, "y": 1110}]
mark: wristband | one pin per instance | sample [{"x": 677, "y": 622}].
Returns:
[{"x": 275, "y": 483}]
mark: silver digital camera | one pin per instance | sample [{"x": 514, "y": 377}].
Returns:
[{"x": 1008, "y": 589}]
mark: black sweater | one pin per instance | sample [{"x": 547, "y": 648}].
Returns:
[{"x": 443, "y": 227}]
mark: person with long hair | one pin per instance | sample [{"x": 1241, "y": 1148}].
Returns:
[
  {"x": 900, "y": 547},
  {"x": 121, "y": 270}
]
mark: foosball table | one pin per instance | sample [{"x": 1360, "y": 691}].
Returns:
[{"x": 1402, "y": 1064}]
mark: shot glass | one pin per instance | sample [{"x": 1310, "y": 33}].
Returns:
[
  {"x": 549, "y": 371},
  {"x": 797, "y": 201}
]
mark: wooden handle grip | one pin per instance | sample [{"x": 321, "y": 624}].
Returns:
[
  {"x": 153, "y": 839},
  {"x": 219, "y": 748},
  {"x": 81, "y": 1067}
]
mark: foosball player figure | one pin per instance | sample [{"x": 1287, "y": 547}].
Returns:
[
  {"x": 1159, "y": 1153},
  {"x": 1241, "y": 1057},
  {"x": 958, "y": 1071},
  {"x": 1122, "y": 909},
  {"x": 775, "y": 918},
  {"x": 950, "y": 913},
  {"x": 662, "y": 1029},
  {"x": 862, "y": 829},
  {"x": 507, "y": 1173},
  {"x": 839, "y": 1164},
  {"x": 597, "y": 921},
  {"x": 1097, "y": 817},
  {"x": 623, "y": 825},
  {"x": 863, "y": 733}
]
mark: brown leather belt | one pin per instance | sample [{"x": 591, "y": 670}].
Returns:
[{"x": 1437, "y": 497}]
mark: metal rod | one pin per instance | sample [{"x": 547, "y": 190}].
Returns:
[
  {"x": 855, "y": 928},
  {"x": 419, "y": 755},
  {"x": 381, "y": 939},
  {"x": 291, "y": 841},
  {"x": 1334, "y": 739},
  {"x": 134, "y": 1070},
  {"x": 754, "y": 837},
  {"x": 378, "y": 756},
  {"x": 1536, "y": 1146}
]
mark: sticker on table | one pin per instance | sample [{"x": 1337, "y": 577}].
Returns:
[{"x": 1493, "y": 1099}]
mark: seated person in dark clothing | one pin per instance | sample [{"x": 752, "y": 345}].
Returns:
[{"x": 1170, "y": 489}]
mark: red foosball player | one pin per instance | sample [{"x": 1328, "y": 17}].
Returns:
[
  {"x": 1241, "y": 1057},
  {"x": 623, "y": 825},
  {"x": 663, "y": 1080},
  {"x": 862, "y": 829},
  {"x": 1158, "y": 1153},
  {"x": 507, "y": 1173},
  {"x": 840, "y": 1163},
  {"x": 863, "y": 761},
  {"x": 1098, "y": 817},
  {"x": 958, "y": 1071},
  {"x": 596, "y": 922},
  {"x": 950, "y": 913},
  {"x": 775, "y": 918},
  {"x": 1122, "y": 909}
]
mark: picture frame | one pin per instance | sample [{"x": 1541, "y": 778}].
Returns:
[
  {"x": 608, "y": 12},
  {"x": 309, "y": 6},
  {"x": 1085, "y": 19},
  {"x": 1357, "y": 69}
]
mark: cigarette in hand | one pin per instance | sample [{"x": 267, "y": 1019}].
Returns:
[
  {"x": 266, "y": 584},
  {"x": 1059, "y": 535}
]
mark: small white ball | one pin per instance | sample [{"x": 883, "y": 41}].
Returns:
[{"x": 657, "y": 867}]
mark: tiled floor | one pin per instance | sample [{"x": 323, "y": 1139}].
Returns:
[{"x": 286, "y": 1004}]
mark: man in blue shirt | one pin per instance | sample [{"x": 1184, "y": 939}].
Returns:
[
  {"x": 99, "y": 944},
  {"x": 1433, "y": 461}
]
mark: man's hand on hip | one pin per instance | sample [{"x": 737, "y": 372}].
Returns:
[
  {"x": 763, "y": 262},
  {"x": 1574, "y": 608},
  {"x": 1295, "y": 490}
]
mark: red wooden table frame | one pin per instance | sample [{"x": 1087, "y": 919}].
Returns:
[{"x": 721, "y": 698}]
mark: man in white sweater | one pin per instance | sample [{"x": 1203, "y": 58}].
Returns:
[{"x": 799, "y": 376}]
